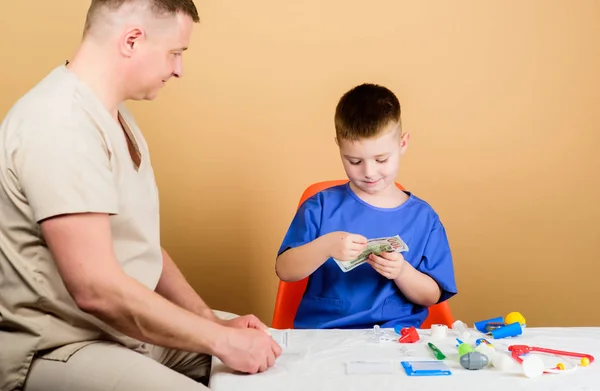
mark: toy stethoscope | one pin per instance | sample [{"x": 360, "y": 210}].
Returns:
[{"x": 519, "y": 350}]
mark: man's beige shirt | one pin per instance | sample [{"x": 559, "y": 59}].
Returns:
[{"x": 61, "y": 152}]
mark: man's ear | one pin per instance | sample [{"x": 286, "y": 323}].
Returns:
[{"x": 131, "y": 40}]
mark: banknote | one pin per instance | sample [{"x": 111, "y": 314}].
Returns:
[{"x": 374, "y": 246}]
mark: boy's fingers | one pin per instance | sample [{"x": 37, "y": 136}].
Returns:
[
  {"x": 377, "y": 267},
  {"x": 359, "y": 239},
  {"x": 377, "y": 258},
  {"x": 380, "y": 260},
  {"x": 381, "y": 268},
  {"x": 374, "y": 264},
  {"x": 392, "y": 256},
  {"x": 357, "y": 247}
]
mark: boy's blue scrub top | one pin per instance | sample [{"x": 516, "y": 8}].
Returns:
[{"x": 362, "y": 297}]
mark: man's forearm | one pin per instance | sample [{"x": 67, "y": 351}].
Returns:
[
  {"x": 134, "y": 310},
  {"x": 418, "y": 287},
  {"x": 174, "y": 287},
  {"x": 81, "y": 247}
]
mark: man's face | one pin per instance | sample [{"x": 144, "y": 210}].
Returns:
[{"x": 159, "y": 56}]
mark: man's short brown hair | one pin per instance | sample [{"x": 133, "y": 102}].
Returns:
[
  {"x": 364, "y": 111},
  {"x": 159, "y": 7}
]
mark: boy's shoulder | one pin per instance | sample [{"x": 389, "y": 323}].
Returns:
[
  {"x": 422, "y": 204},
  {"x": 333, "y": 192},
  {"x": 425, "y": 210}
]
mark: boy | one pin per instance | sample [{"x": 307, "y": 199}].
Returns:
[{"x": 391, "y": 288}]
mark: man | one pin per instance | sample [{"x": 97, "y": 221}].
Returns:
[{"x": 89, "y": 299}]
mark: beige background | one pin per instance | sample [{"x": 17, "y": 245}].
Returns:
[{"x": 499, "y": 97}]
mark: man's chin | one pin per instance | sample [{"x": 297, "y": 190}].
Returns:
[
  {"x": 149, "y": 96},
  {"x": 139, "y": 98}
]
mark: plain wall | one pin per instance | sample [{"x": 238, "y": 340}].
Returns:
[{"x": 499, "y": 98}]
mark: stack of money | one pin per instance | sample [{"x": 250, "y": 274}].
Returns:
[{"x": 374, "y": 246}]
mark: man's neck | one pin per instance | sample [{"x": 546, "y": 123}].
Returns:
[{"x": 94, "y": 69}]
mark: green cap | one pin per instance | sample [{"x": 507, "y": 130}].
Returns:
[
  {"x": 464, "y": 348},
  {"x": 436, "y": 352}
]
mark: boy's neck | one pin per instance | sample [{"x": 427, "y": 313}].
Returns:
[{"x": 390, "y": 197}]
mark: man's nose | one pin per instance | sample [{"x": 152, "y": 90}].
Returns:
[{"x": 178, "y": 70}]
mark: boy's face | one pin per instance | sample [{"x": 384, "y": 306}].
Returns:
[{"x": 372, "y": 164}]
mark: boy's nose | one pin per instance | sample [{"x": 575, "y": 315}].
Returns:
[{"x": 369, "y": 170}]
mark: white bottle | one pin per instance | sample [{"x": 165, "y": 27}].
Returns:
[
  {"x": 497, "y": 359},
  {"x": 461, "y": 329}
]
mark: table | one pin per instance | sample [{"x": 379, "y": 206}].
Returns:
[{"x": 316, "y": 360}]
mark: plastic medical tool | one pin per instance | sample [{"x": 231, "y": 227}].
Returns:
[{"x": 534, "y": 368}]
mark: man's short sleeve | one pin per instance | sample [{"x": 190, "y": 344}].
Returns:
[
  {"x": 437, "y": 261},
  {"x": 65, "y": 169},
  {"x": 305, "y": 225}
]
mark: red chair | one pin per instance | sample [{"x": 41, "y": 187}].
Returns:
[{"x": 289, "y": 294}]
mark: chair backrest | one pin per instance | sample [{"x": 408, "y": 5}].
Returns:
[{"x": 289, "y": 294}]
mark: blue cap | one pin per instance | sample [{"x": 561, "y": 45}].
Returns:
[
  {"x": 482, "y": 323},
  {"x": 510, "y": 330}
]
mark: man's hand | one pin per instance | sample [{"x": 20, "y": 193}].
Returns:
[
  {"x": 245, "y": 322},
  {"x": 389, "y": 265},
  {"x": 345, "y": 246},
  {"x": 248, "y": 350}
]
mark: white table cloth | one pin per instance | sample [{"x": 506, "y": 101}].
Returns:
[{"x": 316, "y": 360}]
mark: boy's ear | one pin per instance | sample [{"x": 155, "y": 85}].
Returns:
[
  {"x": 404, "y": 139},
  {"x": 336, "y": 141}
]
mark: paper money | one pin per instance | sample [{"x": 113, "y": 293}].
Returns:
[{"x": 374, "y": 246}]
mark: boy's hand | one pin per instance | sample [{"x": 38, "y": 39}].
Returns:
[
  {"x": 389, "y": 265},
  {"x": 345, "y": 246}
]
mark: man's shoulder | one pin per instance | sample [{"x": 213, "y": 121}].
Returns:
[{"x": 52, "y": 101}]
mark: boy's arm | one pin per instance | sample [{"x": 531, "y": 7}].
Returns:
[
  {"x": 302, "y": 251},
  {"x": 299, "y": 262},
  {"x": 432, "y": 280},
  {"x": 418, "y": 287}
]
